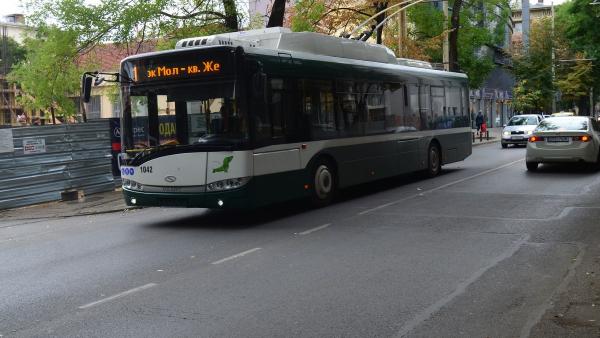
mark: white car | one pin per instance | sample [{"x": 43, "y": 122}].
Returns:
[
  {"x": 564, "y": 139},
  {"x": 519, "y": 128}
]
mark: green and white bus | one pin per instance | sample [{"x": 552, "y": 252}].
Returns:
[{"x": 246, "y": 119}]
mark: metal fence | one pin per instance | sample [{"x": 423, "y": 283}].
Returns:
[{"x": 50, "y": 160}]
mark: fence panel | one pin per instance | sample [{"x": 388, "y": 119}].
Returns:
[{"x": 75, "y": 157}]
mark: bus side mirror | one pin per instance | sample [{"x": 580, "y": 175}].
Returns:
[{"x": 86, "y": 86}]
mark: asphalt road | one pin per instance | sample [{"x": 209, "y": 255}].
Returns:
[{"x": 485, "y": 250}]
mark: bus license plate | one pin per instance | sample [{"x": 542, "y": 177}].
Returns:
[
  {"x": 557, "y": 139},
  {"x": 171, "y": 189}
]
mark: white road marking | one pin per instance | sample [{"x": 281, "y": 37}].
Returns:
[
  {"x": 118, "y": 295},
  {"x": 235, "y": 256},
  {"x": 438, "y": 188},
  {"x": 313, "y": 229},
  {"x": 560, "y": 289},
  {"x": 460, "y": 289}
]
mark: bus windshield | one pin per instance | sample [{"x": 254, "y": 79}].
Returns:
[{"x": 204, "y": 113}]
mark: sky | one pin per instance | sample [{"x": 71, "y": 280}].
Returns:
[{"x": 14, "y": 6}]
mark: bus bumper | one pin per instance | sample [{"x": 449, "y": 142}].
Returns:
[{"x": 233, "y": 199}]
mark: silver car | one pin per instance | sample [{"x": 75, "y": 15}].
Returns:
[
  {"x": 564, "y": 139},
  {"x": 519, "y": 128}
]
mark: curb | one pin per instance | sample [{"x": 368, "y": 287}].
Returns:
[{"x": 485, "y": 142}]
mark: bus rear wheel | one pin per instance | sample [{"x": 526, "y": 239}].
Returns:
[
  {"x": 323, "y": 183},
  {"x": 434, "y": 163}
]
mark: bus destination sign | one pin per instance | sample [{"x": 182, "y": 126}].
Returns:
[
  {"x": 170, "y": 71},
  {"x": 181, "y": 66}
]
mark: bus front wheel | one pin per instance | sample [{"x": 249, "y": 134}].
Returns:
[
  {"x": 434, "y": 162},
  {"x": 323, "y": 183}
]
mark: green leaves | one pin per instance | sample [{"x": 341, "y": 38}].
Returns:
[
  {"x": 306, "y": 14},
  {"x": 49, "y": 75}
]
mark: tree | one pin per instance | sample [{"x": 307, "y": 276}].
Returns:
[
  {"x": 132, "y": 22},
  {"x": 533, "y": 67},
  {"x": 305, "y": 13},
  {"x": 277, "y": 14},
  {"x": 13, "y": 55},
  {"x": 526, "y": 99},
  {"x": 426, "y": 31},
  {"x": 49, "y": 75},
  {"x": 580, "y": 24}
]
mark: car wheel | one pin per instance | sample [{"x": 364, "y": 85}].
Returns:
[
  {"x": 531, "y": 166},
  {"x": 504, "y": 145},
  {"x": 324, "y": 183},
  {"x": 434, "y": 163}
]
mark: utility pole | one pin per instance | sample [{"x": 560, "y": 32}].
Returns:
[
  {"x": 553, "y": 67},
  {"x": 592, "y": 110},
  {"x": 446, "y": 50},
  {"x": 525, "y": 23},
  {"x": 402, "y": 34}
]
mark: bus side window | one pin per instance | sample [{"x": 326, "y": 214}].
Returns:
[
  {"x": 261, "y": 118},
  {"x": 413, "y": 115},
  {"x": 375, "y": 101},
  {"x": 425, "y": 105},
  {"x": 318, "y": 107},
  {"x": 438, "y": 107},
  {"x": 349, "y": 123},
  {"x": 276, "y": 109},
  {"x": 394, "y": 109}
]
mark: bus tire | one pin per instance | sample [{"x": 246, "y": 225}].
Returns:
[
  {"x": 434, "y": 162},
  {"x": 324, "y": 182}
]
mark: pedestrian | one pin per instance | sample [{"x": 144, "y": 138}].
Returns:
[{"x": 479, "y": 121}]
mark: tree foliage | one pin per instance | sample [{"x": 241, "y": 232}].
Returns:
[
  {"x": 48, "y": 76},
  {"x": 135, "y": 21},
  {"x": 526, "y": 99},
  {"x": 14, "y": 54},
  {"x": 426, "y": 29},
  {"x": 580, "y": 25},
  {"x": 574, "y": 41},
  {"x": 533, "y": 69}
]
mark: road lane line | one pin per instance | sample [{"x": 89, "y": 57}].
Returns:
[
  {"x": 321, "y": 227},
  {"x": 118, "y": 295},
  {"x": 438, "y": 188},
  {"x": 559, "y": 290},
  {"x": 460, "y": 289},
  {"x": 241, "y": 254}
]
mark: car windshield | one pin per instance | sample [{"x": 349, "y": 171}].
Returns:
[
  {"x": 563, "y": 123},
  {"x": 523, "y": 121}
]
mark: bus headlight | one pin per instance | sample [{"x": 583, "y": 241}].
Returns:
[
  {"x": 228, "y": 184},
  {"x": 132, "y": 185}
]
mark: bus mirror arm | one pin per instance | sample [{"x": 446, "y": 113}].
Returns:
[{"x": 97, "y": 78}]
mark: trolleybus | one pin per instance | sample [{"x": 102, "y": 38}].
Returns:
[{"x": 246, "y": 119}]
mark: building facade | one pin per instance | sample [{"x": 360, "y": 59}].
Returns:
[
  {"x": 13, "y": 27},
  {"x": 537, "y": 11},
  {"x": 494, "y": 98}
]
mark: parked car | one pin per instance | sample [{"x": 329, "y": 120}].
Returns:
[
  {"x": 564, "y": 139},
  {"x": 563, "y": 113},
  {"x": 518, "y": 129}
]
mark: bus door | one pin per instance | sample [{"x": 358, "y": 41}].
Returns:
[{"x": 405, "y": 116}]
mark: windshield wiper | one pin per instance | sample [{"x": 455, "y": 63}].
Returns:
[{"x": 150, "y": 150}]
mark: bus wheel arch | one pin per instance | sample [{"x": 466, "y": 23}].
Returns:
[
  {"x": 434, "y": 158},
  {"x": 323, "y": 180}
]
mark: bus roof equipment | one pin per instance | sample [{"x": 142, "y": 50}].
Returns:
[{"x": 278, "y": 38}]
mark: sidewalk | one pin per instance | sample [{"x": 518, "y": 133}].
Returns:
[
  {"x": 495, "y": 135},
  {"x": 100, "y": 203}
]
